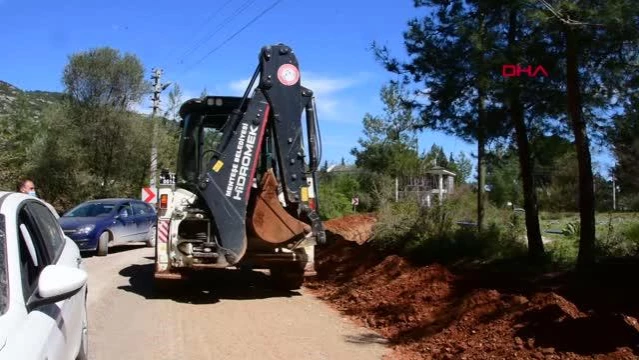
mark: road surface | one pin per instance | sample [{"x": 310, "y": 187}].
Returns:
[{"x": 225, "y": 321}]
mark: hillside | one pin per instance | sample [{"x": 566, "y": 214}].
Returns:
[{"x": 38, "y": 100}]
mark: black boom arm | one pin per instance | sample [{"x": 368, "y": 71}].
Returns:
[{"x": 277, "y": 103}]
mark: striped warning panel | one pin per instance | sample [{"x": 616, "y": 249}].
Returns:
[{"x": 163, "y": 231}]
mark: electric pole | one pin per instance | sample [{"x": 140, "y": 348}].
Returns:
[
  {"x": 158, "y": 87},
  {"x": 614, "y": 194}
]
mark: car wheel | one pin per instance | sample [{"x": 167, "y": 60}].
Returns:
[
  {"x": 103, "y": 244},
  {"x": 151, "y": 241},
  {"x": 83, "y": 354}
]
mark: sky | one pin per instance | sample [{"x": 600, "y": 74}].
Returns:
[{"x": 198, "y": 46}]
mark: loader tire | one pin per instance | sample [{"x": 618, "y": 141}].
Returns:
[
  {"x": 163, "y": 288},
  {"x": 287, "y": 278}
]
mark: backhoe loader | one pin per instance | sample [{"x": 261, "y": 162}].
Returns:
[{"x": 245, "y": 193}]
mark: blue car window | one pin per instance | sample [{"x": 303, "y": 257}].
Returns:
[
  {"x": 91, "y": 210},
  {"x": 140, "y": 209},
  {"x": 126, "y": 208}
]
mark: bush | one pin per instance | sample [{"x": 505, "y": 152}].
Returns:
[
  {"x": 378, "y": 190},
  {"x": 396, "y": 224},
  {"x": 335, "y": 193},
  {"x": 621, "y": 240},
  {"x": 617, "y": 239},
  {"x": 563, "y": 251},
  {"x": 431, "y": 234},
  {"x": 333, "y": 204}
]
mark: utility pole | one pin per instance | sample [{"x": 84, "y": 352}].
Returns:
[
  {"x": 158, "y": 87},
  {"x": 614, "y": 194}
]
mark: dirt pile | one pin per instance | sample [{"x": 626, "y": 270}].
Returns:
[
  {"x": 357, "y": 228},
  {"x": 426, "y": 314}
]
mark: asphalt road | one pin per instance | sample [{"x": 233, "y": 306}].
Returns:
[{"x": 236, "y": 316}]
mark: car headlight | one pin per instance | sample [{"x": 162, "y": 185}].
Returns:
[{"x": 85, "y": 229}]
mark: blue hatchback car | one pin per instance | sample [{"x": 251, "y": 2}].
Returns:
[{"x": 95, "y": 225}]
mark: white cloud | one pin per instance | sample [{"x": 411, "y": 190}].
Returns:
[{"x": 325, "y": 88}]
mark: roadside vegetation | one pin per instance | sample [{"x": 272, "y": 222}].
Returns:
[
  {"x": 89, "y": 142},
  {"x": 535, "y": 193}
]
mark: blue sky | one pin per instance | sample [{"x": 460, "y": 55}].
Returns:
[{"x": 331, "y": 39}]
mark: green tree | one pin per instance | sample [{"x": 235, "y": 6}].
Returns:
[
  {"x": 324, "y": 167},
  {"x": 18, "y": 129},
  {"x": 450, "y": 57},
  {"x": 102, "y": 86},
  {"x": 546, "y": 152},
  {"x": 103, "y": 77},
  {"x": 623, "y": 135},
  {"x": 598, "y": 38},
  {"x": 435, "y": 157},
  {"x": 61, "y": 179},
  {"x": 462, "y": 166},
  {"x": 175, "y": 101},
  {"x": 387, "y": 146},
  {"x": 624, "y": 139},
  {"x": 564, "y": 183},
  {"x": 503, "y": 177}
]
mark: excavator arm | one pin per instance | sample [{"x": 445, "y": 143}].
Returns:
[{"x": 271, "y": 117}]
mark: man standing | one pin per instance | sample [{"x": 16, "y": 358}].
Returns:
[{"x": 26, "y": 186}]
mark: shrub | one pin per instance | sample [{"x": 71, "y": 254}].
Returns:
[
  {"x": 563, "y": 251},
  {"x": 572, "y": 229},
  {"x": 431, "y": 234},
  {"x": 333, "y": 204},
  {"x": 379, "y": 190},
  {"x": 620, "y": 240},
  {"x": 396, "y": 223}
]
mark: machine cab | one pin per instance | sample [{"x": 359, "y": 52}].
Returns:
[{"x": 202, "y": 130}]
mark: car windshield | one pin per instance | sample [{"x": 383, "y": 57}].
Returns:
[{"x": 91, "y": 210}]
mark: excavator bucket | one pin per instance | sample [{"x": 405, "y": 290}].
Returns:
[{"x": 270, "y": 222}]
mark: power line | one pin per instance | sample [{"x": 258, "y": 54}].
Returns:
[
  {"x": 237, "y": 12},
  {"x": 206, "y": 21},
  {"x": 234, "y": 34}
]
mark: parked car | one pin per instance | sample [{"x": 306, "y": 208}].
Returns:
[
  {"x": 95, "y": 225},
  {"x": 43, "y": 284}
]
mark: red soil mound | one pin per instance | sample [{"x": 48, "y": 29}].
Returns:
[
  {"x": 426, "y": 314},
  {"x": 357, "y": 228}
]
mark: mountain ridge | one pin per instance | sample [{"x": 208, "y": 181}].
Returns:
[{"x": 37, "y": 99}]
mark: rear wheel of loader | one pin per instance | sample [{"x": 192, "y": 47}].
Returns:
[
  {"x": 287, "y": 277},
  {"x": 165, "y": 287}
]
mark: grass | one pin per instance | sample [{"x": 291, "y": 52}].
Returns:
[
  {"x": 617, "y": 235},
  {"x": 559, "y": 221},
  {"x": 428, "y": 235}
]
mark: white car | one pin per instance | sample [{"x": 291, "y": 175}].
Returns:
[{"x": 43, "y": 284}]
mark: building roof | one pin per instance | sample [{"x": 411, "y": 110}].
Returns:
[
  {"x": 339, "y": 167},
  {"x": 438, "y": 170}
]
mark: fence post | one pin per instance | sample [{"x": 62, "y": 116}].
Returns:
[{"x": 396, "y": 189}]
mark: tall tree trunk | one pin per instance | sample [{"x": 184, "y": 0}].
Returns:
[
  {"x": 535, "y": 243},
  {"x": 481, "y": 167},
  {"x": 481, "y": 135},
  {"x": 586, "y": 201},
  {"x": 533, "y": 232}
]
